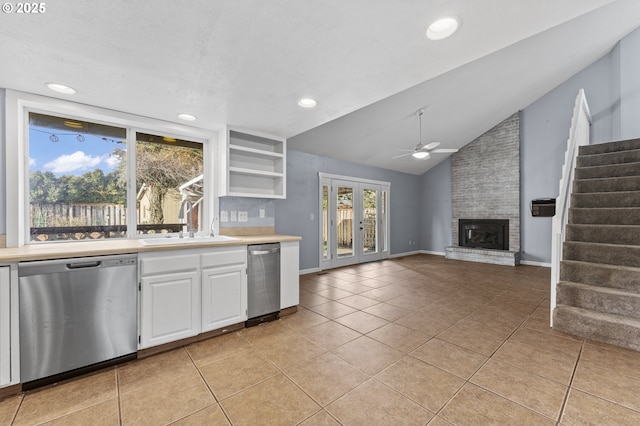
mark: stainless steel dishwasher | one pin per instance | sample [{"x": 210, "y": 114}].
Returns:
[
  {"x": 263, "y": 283},
  {"x": 76, "y": 314}
]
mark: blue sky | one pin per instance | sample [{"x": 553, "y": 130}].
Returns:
[{"x": 70, "y": 156}]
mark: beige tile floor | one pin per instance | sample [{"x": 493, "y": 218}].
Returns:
[{"x": 411, "y": 341}]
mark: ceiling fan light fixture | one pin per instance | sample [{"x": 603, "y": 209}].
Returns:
[
  {"x": 443, "y": 28},
  {"x": 186, "y": 117},
  {"x": 420, "y": 155}
]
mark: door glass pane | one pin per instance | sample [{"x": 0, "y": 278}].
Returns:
[
  {"x": 325, "y": 222},
  {"x": 369, "y": 225},
  {"x": 77, "y": 179},
  {"x": 168, "y": 173},
  {"x": 383, "y": 221},
  {"x": 344, "y": 221}
]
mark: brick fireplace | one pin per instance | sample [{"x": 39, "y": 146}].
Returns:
[{"x": 486, "y": 187}]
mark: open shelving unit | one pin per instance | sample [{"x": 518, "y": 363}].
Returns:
[{"x": 253, "y": 165}]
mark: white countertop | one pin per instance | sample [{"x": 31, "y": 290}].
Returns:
[{"x": 67, "y": 249}]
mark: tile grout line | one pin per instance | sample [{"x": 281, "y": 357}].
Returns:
[
  {"x": 217, "y": 402},
  {"x": 118, "y": 395},
  {"x": 573, "y": 374}
]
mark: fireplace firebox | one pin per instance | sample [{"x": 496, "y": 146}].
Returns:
[{"x": 484, "y": 233}]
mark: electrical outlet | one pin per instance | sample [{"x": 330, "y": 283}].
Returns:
[
  {"x": 243, "y": 217},
  {"x": 262, "y": 213},
  {"x": 224, "y": 216},
  {"x": 234, "y": 216},
  {"x": 311, "y": 217}
]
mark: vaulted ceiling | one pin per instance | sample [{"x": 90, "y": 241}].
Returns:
[{"x": 367, "y": 63}]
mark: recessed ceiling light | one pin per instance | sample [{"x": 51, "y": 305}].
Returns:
[
  {"x": 443, "y": 28},
  {"x": 61, "y": 88},
  {"x": 420, "y": 155},
  {"x": 307, "y": 103},
  {"x": 168, "y": 139},
  {"x": 187, "y": 117}
]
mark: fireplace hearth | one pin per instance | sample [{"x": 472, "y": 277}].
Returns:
[{"x": 484, "y": 233}]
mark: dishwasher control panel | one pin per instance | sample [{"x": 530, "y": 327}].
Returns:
[{"x": 120, "y": 262}]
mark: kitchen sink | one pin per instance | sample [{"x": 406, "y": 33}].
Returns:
[{"x": 161, "y": 241}]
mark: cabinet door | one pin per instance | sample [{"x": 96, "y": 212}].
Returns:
[
  {"x": 5, "y": 325},
  {"x": 289, "y": 274},
  {"x": 170, "y": 308},
  {"x": 224, "y": 296}
]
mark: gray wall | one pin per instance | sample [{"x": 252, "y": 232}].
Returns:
[
  {"x": 630, "y": 85},
  {"x": 3, "y": 192},
  {"x": 292, "y": 216},
  {"x": 435, "y": 208}
]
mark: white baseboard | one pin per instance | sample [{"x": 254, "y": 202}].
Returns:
[
  {"x": 309, "y": 271},
  {"x": 533, "y": 263},
  {"x": 436, "y": 253},
  {"x": 407, "y": 253}
]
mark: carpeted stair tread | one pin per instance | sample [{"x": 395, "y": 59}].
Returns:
[
  {"x": 607, "y": 328},
  {"x": 610, "y": 170},
  {"x": 608, "y": 234},
  {"x": 600, "y": 274},
  {"x": 603, "y": 216},
  {"x": 611, "y": 184},
  {"x": 618, "y": 157},
  {"x": 601, "y": 299},
  {"x": 606, "y": 199},
  {"x": 600, "y": 148},
  {"x": 612, "y": 254}
]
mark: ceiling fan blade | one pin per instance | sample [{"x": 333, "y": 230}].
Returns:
[
  {"x": 431, "y": 145},
  {"x": 444, "y": 150},
  {"x": 403, "y": 155}
]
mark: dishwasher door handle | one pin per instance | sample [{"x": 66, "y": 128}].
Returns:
[
  {"x": 82, "y": 265},
  {"x": 260, "y": 252}
]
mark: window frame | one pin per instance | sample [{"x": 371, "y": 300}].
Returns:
[{"x": 19, "y": 105}]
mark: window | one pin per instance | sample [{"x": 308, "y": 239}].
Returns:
[
  {"x": 77, "y": 179},
  {"x": 168, "y": 171},
  {"x": 79, "y": 172}
]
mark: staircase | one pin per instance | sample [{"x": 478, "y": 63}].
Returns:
[{"x": 598, "y": 295}]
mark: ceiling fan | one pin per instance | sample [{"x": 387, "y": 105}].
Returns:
[{"x": 422, "y": 151}]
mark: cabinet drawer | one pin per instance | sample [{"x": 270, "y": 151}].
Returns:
[
  {"x": 223, "y": 256},
  {"x": 152, "y": 264}
]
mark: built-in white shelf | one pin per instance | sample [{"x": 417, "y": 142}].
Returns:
[{"x": 252, "y": 165}]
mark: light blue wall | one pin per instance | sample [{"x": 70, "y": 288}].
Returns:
[
  {"x": 292, "y": 216},
  {"x": 3, "y": 192},
  {"x": 630, "y": 85},
  {"x": 544, "y": 130},
  {"x": 250, "y": 205},
  {"x": 435, "y": 208}
]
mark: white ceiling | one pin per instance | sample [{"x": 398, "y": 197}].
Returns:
[{"x": 367, "y": 62}]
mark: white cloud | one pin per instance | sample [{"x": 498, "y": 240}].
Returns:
[
  {"x": 112, "y": 161},
  {"x": 72, "y": 162},
  {"x": 32, "y": 162}
]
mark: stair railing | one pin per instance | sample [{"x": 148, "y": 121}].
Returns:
[{"x": 578, "y": 135}]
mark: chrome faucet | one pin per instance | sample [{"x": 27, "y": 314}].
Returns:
[
  {"x": 189, "y": 204},
  {"x": 211, "y": 230}
]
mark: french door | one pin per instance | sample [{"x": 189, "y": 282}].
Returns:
[{"x": 354, "y": 221}]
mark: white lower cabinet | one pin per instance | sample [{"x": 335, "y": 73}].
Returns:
[
  {"x": 5, "y": 325},
  {"x": 289, "y": 274},
  {"x": 170, "y": 308},
  {"x": 9, "y": 332},
  {"x": 224, "y": 288},
  {"x": 186, "y": 292}
]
